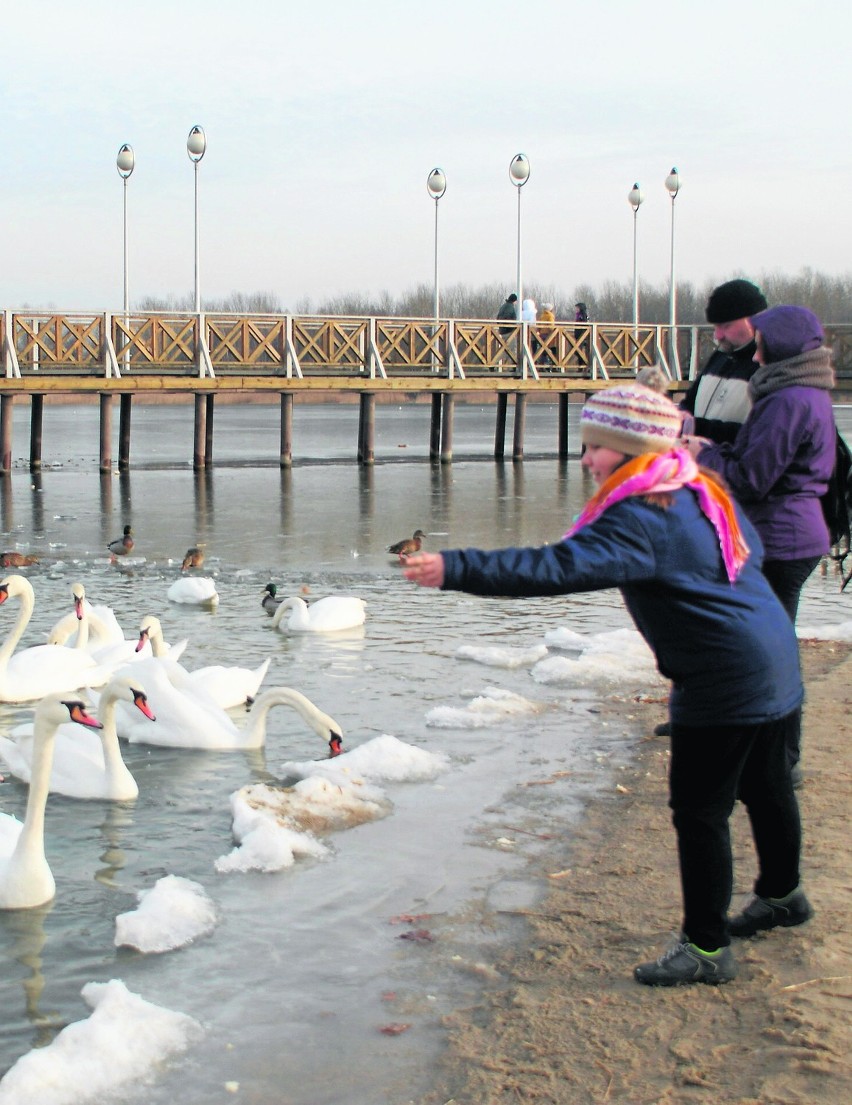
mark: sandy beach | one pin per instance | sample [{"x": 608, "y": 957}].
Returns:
[{"x": 567, "y": 1024}]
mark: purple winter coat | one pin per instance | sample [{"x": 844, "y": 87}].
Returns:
[{"x": 779, "y": 466}]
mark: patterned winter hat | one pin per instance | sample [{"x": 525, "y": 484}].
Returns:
[{"x": 631, "y": 419}]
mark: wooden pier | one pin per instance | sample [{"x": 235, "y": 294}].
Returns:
[{"x": 204, "y": 355}]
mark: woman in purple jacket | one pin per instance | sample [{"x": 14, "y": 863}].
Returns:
[
  {"x": 688, "y": 565},
  {"x": 780, "y": 463}
]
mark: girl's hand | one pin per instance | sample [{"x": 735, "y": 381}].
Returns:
[{"x": 425, "y": 569}]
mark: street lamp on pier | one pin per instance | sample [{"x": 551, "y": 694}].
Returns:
[
  {"x": 673, "y": 187},
  {"x": 196, "y": 146},
  {"x": 436, "y": 185},
  {"x": 634, "y": 198},
  {"x": 519, "y": 174},
  {"x": 125, "y": 162}
]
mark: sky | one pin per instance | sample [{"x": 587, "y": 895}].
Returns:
[{"x": 324, "y": 118}]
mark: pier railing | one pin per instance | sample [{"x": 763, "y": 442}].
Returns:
[{"x": 297, "y": 347}]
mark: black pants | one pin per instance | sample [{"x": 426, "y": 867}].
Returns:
[
  {"x": 710, "y": 768},
  {"x": 787, "y": 578}
]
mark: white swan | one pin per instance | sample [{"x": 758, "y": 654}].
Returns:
[
  {"x": 327, "y": 615},
  {"x": 25, "y": 877},
  {"x": 35, "y": 672},
  {"x": 86, "y": 626},
  {"x": 185, "y": 723},
  {"x": 226, "y": 686},
  {"x": 193, "y": 591},
  {"x": 85, "y": 765}
]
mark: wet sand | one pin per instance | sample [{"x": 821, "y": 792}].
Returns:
[{"x": 567, "y": 1025}]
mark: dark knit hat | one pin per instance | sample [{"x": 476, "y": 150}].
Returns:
[
  {"x": 787, "y": 332},
  {"x": 733, "y": 300},
  {"x": 630, "y": 419}
]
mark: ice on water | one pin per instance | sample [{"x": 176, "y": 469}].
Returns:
[
  {"x": 496, "y": 656},
  {"x": 91, "y": 1058},
  {"x": 172, "y": 913},
  {"x": 494, "y": 705},
  {"x": 617, "y": 657}
]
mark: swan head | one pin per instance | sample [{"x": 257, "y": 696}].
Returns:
[
  {"x": 130, "y": 690},
  {"x": 14, "y": 585},
  {"x": 149, "y": 627},
  {"x": 55, "y": 710},
  {"x": 335, "y": 745},
  {"x": 79, "y": 593}
]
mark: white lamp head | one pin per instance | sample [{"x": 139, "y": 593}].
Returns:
[
  {"x": 519, "y": 170},
  {"x": 436, "y": 183},
  {"x": 125, "y": 162},
  {"x": 635, "y": 198},
  {"x": 673, "y": 183},
  {"x": 196, "y": 144}
]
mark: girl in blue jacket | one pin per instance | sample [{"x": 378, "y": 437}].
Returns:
[{"x": 688, "y": 564}]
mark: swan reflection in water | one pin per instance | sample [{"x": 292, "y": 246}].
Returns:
[
  {"x": 22, "y": 940},
  {"x": 119, "y": 818}
]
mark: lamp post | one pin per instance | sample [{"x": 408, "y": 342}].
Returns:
[
  {"x": 436, "y": 185},
  {"x": 196, "y": 145},
  {"x": 125, "y": 162},
  {"x": 634, "y": 198},
  {"x": 519, "y": 174},
  {"x": 673, "y": 187}
]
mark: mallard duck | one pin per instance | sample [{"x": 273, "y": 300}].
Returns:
[
  {"x": 121, "y": 546},
  {"x": 194, "y": 558},
  {"x": 410, "y": 545},
  {"x": 270, "y": 601},
  {"x": 16, "y": 560}
]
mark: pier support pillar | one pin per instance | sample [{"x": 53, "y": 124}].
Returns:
[
  {"x": 520, "y": 423},
  {"x": 562, "y": 439},
  {"x": 447, "y": 428},
  {"x": 435, "y": 426},
  {"x": 500, "y": 426},
  {"x": 285, "y": 460},
  {"x": 6, "y": 403},
  {"x": 106, "y": 431},
  {"x": 367, "y": 428},
  {"x": 124, "y": 410},
  {"x": 36, "y": 420},
  {"x": 208, "y": 430},
  {"x": 199, "y": 457}
]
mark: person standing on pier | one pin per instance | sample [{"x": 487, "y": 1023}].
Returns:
[
  {"x": 508, "y": 310},
  {"x": 688, "y": 565}
]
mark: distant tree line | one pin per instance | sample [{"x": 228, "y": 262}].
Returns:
[{"x": 829, "y": 296}]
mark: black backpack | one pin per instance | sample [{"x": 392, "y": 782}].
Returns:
[{"x": 837, "y": 506}]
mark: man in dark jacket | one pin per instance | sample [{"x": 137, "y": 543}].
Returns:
[
  {"x": 508, "y": 310},
  {"x": 719, "y": 398}
]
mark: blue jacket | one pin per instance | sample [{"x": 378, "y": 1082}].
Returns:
[{"x": 729, "y": 649}]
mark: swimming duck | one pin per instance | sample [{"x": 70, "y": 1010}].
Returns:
[
  {"x": 270, "y": 601},
  {"x": 16, "y": 560},
  {"x": 194, "y": 558},
  {"x": 121, "y": 546},
  {"x": 410, "y": 545}
]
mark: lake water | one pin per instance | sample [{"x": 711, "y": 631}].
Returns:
[{"x": 306, "y": 966}]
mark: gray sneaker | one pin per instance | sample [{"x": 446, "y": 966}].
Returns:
[
  {"x": 683, "y": 963},
  {"x": 762, "y": 914}
]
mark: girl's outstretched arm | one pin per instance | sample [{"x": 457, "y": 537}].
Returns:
[{"x": 427, "y": 569}]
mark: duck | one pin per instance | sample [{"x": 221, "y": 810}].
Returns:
[
  {"x": 327, "y": 615},
  {"x": 85, "y": 764},
  {"x": 408, "y": 545},
  {"x": 193, "y": 591},
  {"x": 194, "y": 558},
  {"x": 123, "y": 545},
  {"x": 17, "y": 560},
  {"x": 270, "y": 601},
  {"x": 26, "y": 880},
  {"x": 42, "y": 669},
  {"x": 226, "y": 686}
]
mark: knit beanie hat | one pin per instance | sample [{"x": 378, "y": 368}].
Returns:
[
  {"x": 734, "y": 299},
  {"x": 787, "y": 332},
  {"x": 630, "y": 418}
]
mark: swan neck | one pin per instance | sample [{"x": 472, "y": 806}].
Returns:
[{"x": 26, "y": 602}]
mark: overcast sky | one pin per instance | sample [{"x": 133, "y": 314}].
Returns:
[{"x": 323, "y": 119}]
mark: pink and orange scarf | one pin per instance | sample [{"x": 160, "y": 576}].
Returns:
[{"x": 654, "y": 473}]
